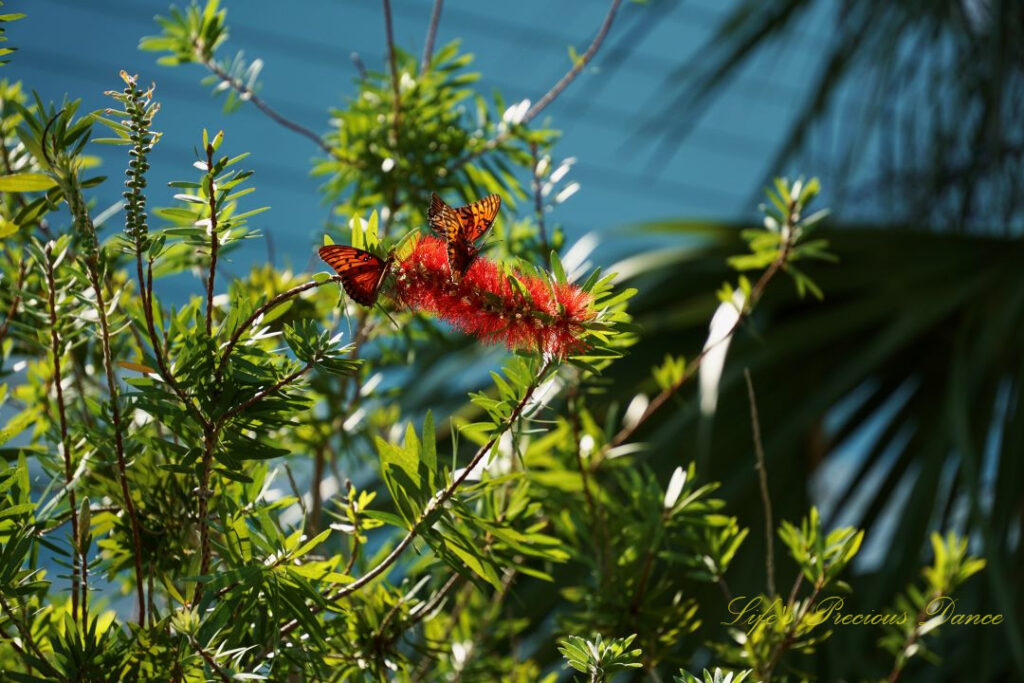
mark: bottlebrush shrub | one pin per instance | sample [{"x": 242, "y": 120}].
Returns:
[{"x": 526, "y": 311}]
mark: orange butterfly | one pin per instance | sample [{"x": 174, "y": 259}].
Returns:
[
  {"x": 461, "y": 227},
  {"x": 361, "y": 272}
]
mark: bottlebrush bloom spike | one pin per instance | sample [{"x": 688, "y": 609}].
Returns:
[{"x": 543, "y": 316}]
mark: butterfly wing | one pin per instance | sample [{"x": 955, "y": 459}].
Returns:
[
  {"x": 476, "y": 218},
  {"x": 361, "y": 272},
  {"x": 462, "y": 227},
  {"x": 444, "y": 220}
]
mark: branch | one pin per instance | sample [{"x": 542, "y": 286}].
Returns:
[
  {"x": 389, "y": 32},
  {"x": 246, "y": 93},
  {"x": 781, "y": 649},
  {"x": 209, "y": 442},
  {"x": 396, "y": 87},
  {"x": 78, "y": 554},
  {"x": 115, "y": 417},
  {"x": 208, "y": 658},
  {"x": 551, "y": 94},
  {"x": 428, "y": 45},
  {"x": 756, "y": 293},
  {"x": 259, "y": 312},
  {"x": 260, "y": 395},
  {"x": 912, "y": 638},
  {"x": 146, "y": 292},
  {"x": 29, "y": 641},
  {"x": 762, "y": 473}
]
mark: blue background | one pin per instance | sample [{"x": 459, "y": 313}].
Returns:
[{"x": 77, "y": 48}]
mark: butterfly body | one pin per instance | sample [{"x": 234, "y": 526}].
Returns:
[
  {"x": 461, "y": 227},
  {"x": 362, "y": 273}
]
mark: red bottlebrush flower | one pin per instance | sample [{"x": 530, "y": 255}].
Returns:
[{"x": 546, "y": 316}]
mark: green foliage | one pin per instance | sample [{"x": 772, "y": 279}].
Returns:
[
  {"x": 717, "y": 676},
  {"x": 5, "y": 19},
  {"x": 931, "y": 603},
  {"x": 783, "y": 239},
  {"x": 599, "y": 658}
]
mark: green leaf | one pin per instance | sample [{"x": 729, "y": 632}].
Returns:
[{"x": 26, "y": 182}]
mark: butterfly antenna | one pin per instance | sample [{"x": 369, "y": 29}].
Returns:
[
  {"x": 311, "y": 262},
  {"x": 384, "y": 311}
]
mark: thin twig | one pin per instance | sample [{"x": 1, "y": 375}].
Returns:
[
  {"x": 208, "y": 658},
  {"x": 461, "y": 602},
  {"x": 261, "y": 311},
  {"x": 911, "y": 640},
  {"x": 115, "y": 416},
  {"x": 428, "y": 44},
  {"x": 762, "y": 476},
  {"x": 262, "y": 394},
  {"x": 436, "y": 502},
  {"x": 790, "y": 636},
  {"x": 389, "y": 31},
  {"x": 246, "y": 93},
  {"x": 756, "y": 293},
  {"x": 435, "y": 600},
  {"x": 645, "y": 572},
  {"x": 146, "y": 293},
  {"x": 209, "y": 443},
  {"x": 480, "y": 630},
  {"x": 551, "y": 94},
  {"x": 77, "y": 556},
  {"x": 28, "y": 640}
]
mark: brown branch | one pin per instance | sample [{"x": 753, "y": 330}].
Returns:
[
  {"x": 762, "y": 476},
  {"x": 146, "y": 293},
  {"x": 262, "y": 394},
  {"x": 210, "y": 434},
  {"x": 756, "y": 292},
  {"x": 790, "y": 636},
  {"x": 247, "y": 93},
  {"x": 436, "y": 502},
  {"x": 262, "y": 310},
  {"x": 389, "y": 33},
  {"x": 78, "y": 554},
  {"x": 911, "y": 640},
  {"x": 434, "y": 601},
  {"x": 208, "y": 658},
  {"x": 115, "y": 416},
  {"x": 209, "y": 443},
  {"x": 428, "y": 45},
  {"x": 396, "y": 118},
  {"x": 453, "y": 618},
  {"x": 28, "y": 640},
  {"x": 551, "y": 94}
]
